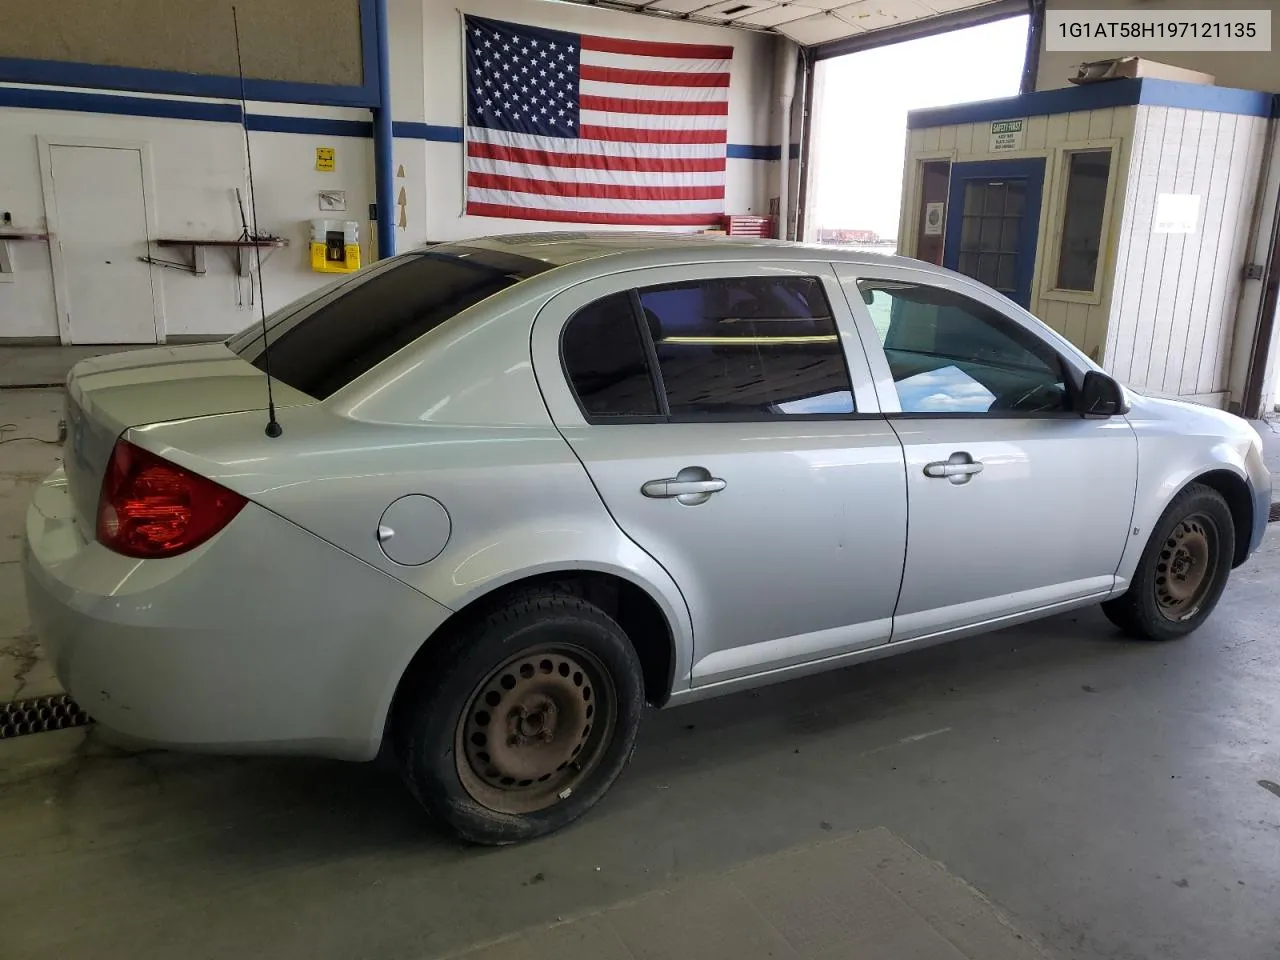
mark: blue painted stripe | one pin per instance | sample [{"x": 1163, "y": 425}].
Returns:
[
  {"x": 410, "y": 130},
  {"x": 1090, "y": 96},
  {"x": 437, "y": 133},
  {"x": 1196, "y": 96},
  {"x": 752, "y": 151},
  {"x": 274, "y": 123},
  {"x": 186, "y": 84},
  {"x": 759, "y": 151},
  {"x": 143, "y": 80},
  {"x": 321, "y": 126},
  {"x": 1127, "y": 92},
  {"x": 120, "y": 106}
]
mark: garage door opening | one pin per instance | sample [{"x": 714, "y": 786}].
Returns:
[{"x": 861, "y": 102}]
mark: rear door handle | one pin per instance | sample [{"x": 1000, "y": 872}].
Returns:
[
  {"x": 681, "y": 488},
  {"x": 958, "y": 468},
  {"x": 691, "y": 486}
]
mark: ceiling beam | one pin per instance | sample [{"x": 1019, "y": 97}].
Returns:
[
  {"x": 644, "y": 10},
  {"x": 924, "y": 27}
]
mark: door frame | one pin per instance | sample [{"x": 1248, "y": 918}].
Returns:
[
  {"x": 1032, "y": 169},
  {"x": 61, "y": 286},
  {"x": 569, "y": 419}
]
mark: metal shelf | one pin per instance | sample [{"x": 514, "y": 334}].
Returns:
[
  {"x": 8, "y": 236},
  {"x": 194, "y": 260}
]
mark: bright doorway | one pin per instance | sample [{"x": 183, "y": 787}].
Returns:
[{"x": 861, "y": 102}]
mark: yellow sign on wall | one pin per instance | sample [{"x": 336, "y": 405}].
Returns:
[{"x": 325, "y": 159}]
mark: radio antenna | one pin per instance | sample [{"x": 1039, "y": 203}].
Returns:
[{"x": 273, "y": 425}]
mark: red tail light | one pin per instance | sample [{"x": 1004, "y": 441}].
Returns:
[{"x": 150, "y": 507}]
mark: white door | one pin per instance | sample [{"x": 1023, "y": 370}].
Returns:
[{"x": 101, "y": 218}]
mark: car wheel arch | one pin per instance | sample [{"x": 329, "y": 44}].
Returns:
[
  {"x": 1235, "y": 490},
  {"x": 1154, "y": 498},
  {"x": 633, "y": 605}
]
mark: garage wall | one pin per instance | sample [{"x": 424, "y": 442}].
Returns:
[
  {"x": 430, "y": 83},
  {"x": 1247, "y": 71},
  {"x": 195, "y": 146},
  {"x": 196, "y": 166},
  {"x": 307, "y": 41}
]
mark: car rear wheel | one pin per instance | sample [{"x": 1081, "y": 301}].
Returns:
[
  {"x": 522, "y": 723},
  {"x": 1183, "y": 569}
]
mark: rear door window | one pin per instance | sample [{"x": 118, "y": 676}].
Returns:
[
  {"x": 607, "y": 362},
  {"x": 747, "y": 348},
  {"x": 322, "y": 342}
]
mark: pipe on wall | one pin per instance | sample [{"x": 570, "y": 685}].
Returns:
[
  {"x": 383, "y": 142},
  {"x": 803, "y": 173},
  {"x": 784, "y": 78},
  {"x": 1264, "y": 239},
  {"x": 1035, "y": 40}
]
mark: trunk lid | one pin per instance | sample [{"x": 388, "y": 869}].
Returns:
[{"x": 109, "y": 394}]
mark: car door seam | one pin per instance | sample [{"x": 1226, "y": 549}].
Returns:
[
  {"x": 906, "y": 531},
  {"x": 542, "y": 395},
  {"x": 1133, "y": 510}
]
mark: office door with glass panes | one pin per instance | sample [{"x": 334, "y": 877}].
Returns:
[{"x": 993, "y": 219}]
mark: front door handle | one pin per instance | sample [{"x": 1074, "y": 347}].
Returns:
[
  {"x": 691, "y": 486},
  {"x": 958, "y": 468}
]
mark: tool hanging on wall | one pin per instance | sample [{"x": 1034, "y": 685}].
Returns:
[
  {"x": 244, "y": 235},
  {"x": 194, "y": 262}
]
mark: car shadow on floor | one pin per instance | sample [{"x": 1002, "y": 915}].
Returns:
[
  {"x": 976, "y": 739},
  {"x": 254, "y": 809}
]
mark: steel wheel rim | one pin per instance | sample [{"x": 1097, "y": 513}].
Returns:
[
  {"x": 535, "y": 729},
  {"x": 1186, "y": 566}
]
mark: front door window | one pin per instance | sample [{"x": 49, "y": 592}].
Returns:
[{"x": 950, "y": 354}]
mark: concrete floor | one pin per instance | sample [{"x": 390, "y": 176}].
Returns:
[{"x": 1111, "y": 799}]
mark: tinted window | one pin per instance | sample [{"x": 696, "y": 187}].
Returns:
[
  {"x": 950, "y": 354},
  {"x": 605, "y": 360},
  {"x": 322, "y": 342},
  {"x": 748, "y": 346}
]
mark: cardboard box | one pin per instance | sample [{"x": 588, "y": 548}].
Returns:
[{"x": 1133, "y": 67}]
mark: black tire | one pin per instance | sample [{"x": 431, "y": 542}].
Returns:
[
  {"x": 1160, "y": 605},
  {"x": 549, "y": 657}
]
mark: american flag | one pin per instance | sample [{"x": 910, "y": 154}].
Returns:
[{"x": 574, "y": 128}]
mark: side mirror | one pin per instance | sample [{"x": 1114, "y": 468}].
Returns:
[{"x": 1100, "y": 396}]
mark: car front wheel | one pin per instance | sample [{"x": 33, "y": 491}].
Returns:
[
  {"x": 521, "y": 724},
  {"x": 1183, "y": 569}
]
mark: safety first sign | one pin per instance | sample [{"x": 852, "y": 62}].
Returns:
[{"x": 1008, "y": 135}]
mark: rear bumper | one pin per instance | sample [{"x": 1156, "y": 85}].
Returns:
[{"x": 266, "y": 639}]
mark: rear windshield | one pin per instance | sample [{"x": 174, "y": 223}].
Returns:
[{"x": 323, "y": 341}]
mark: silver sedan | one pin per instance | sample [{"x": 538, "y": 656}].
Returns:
[{"x": 524, "y": 485}]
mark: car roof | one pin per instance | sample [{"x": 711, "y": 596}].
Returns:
[{"x": 641, "y": 248}]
